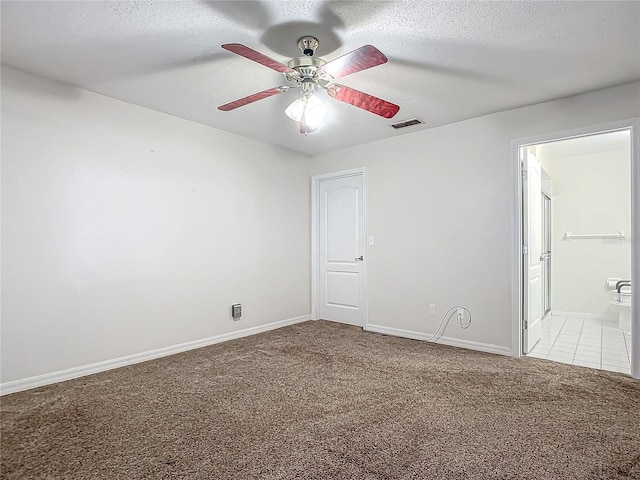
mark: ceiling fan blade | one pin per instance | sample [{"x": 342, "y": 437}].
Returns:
[
  {"x": 252, "y": 98},
  {"x": 363, "y": 100},
  {"x": 355, "y": 61},
  {"x": 251, "y": 54}
]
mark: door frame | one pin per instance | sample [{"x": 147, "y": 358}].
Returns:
[
  {"x": 315, "y": 238},
  {"x": 517, "y": 304},
  {"x": 549, "y": 227}
]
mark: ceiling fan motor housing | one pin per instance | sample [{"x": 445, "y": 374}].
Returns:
[{"x": 308, "y": 70}]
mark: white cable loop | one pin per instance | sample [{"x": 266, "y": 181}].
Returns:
[{"x": 445, "y": 321}]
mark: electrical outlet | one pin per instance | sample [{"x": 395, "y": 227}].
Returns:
[
  {"x": 236, "y": 311},
  {"x": 460, "y": 314},
  {"x": 432, "y": 309}
]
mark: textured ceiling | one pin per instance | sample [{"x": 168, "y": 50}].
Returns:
[{"x": 448, "y": 61}]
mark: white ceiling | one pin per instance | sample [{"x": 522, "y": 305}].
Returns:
[{"x": 448, "y": 61}]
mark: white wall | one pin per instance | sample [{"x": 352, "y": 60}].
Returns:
[
  {"x": 441, "y": 207},
  {"x": 546, "y": 183},
  {"x": 591, "y": 194},
  {"x": 126, "y": 230}
]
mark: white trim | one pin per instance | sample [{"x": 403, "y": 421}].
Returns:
[
  {"x": 452, "y": 342},
  {"x": 90, "y": 369},
  {"x": 344, "y": 322},
  {"x": 561, "y": 313},
  {"x": 315, "y": 241},
  {"x": 635, "y": 247},
  {"x": 632, "y": 124}
]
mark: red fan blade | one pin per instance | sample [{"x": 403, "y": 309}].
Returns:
[
  {"x": 252, "y": 98},
  {"x": 355, "y": 61},
  {"x": 251, "y": 54},
  {"x": 363, "y": 100}
]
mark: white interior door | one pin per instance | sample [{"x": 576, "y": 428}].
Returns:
[
  {"x": 532, "y": 234},
  {"x": 341, "y": 245}
]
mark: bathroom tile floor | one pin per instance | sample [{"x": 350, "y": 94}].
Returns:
[{"x": 587, "y": 342}]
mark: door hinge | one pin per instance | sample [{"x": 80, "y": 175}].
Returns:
[
  {"x": 525, "y": 250},
  {"x": 525, "y": 324},
  {"x": 524, "y": 174}
]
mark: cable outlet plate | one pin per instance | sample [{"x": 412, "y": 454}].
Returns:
[{"x": 236, "y": 311}]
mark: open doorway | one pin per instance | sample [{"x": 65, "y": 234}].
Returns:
[{"x": 576, "y": 243}]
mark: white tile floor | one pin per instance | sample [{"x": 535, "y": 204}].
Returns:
[{"x": 586, "y": 342}]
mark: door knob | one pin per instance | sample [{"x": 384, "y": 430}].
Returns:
[{"x": 360, "y": 258}]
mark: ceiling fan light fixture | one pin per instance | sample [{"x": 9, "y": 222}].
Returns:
[
  {"x": 295, "y": 110},
  {"x": 308, "y": 109},
  {"x": 314, "y": 111}
]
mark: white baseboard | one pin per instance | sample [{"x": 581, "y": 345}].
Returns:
[
  {"x": 453, "y": 342},
  {"x": 560, "y": 313},
  {"x": 90, "y": 369}
]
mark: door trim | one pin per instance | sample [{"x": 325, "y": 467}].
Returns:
[
  {"x": 547, "y": 220},
  {"x": 633, "y": 125},
  {"x": 315, "y": 240}
]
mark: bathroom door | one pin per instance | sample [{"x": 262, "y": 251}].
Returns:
[{"x": 531, "y": 251}]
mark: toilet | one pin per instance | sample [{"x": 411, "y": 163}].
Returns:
[{"x": 622, "y": 302}]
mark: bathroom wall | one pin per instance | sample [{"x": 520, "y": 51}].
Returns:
[
  {"x": 547, "y": 183},
  {"x": 591, "y": 194}
]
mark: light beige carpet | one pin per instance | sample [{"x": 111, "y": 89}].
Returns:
[{"x": 321, "y": 400}]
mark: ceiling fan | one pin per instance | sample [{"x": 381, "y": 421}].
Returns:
[{"x": 309, "y": 73}]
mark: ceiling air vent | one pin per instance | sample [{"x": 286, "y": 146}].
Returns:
[{"x": 407, "y": 123}]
